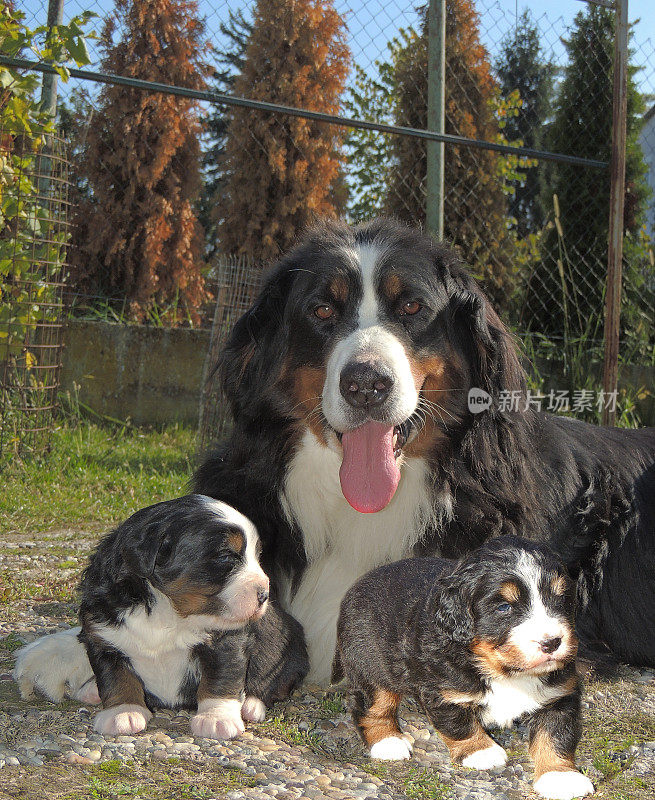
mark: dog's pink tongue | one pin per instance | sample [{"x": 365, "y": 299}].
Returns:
[{"x": 369, "y": 473}]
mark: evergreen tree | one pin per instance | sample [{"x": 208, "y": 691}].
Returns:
[
  {"x": 566, "y": 291},
  {"x": 231, "y": 58},
  {"x": 475, "y": 210},
  {"x": 137, "y": 236},
  {"x": 284, "y": 171},
  {"x": 521, "y": 66}
]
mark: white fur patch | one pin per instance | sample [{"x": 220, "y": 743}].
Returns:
[
  {"x": 158, "y": 644},
  {"x": 122, "y": 720},
  {"x": 253, "y": 709},
  {"x": 487, "y": 758},
  {"x": 393, "y": 748},
  {"x": 509, "y": 698},
  {"x": 340, "y": 543},
  {"x": 54, "y": 665},
  {"x": 563, "y": 785},
  {"x": 88, "y": 693},
  {"x": 217, "y": 719}
]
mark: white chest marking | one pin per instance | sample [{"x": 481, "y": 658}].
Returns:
[
  {"x": 342, "y": 544},
  {"x": 158, "y": 645},
  {"x": 509, "y": 698}
]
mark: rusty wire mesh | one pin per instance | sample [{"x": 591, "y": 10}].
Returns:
[{"x": 33, "y": 237}]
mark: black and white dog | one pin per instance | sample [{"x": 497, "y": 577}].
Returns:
[
  {"x": 353, "y": 444},
  {"x": 477, "y": 642},
  {"x": 172, "y": 605}
]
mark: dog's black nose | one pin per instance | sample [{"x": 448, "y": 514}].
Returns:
[
  {"x": 363, "y": 385},
  {"x": 262, "y": 596},
  {"x": 550, "y": 645}
]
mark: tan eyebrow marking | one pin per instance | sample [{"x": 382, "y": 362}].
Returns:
[
  {"x": 392, "y": 286},
  {"x": 510, "y": 591},
  {"x": 558, "y": 585},
  {"x": 339, "y": 288}
]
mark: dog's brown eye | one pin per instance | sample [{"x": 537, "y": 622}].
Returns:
[
  {"x": 411, "y": 308},
  {"x": 324, "y": 312}
]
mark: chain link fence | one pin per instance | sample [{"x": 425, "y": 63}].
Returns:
[
  {"x": 533, "y": 230},
  {"x": 34, "y": 232}
]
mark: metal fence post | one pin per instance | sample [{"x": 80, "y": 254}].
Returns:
[
  {"x": 49, "y": 84},
  {"x": 617, "y": 194},
  {"x": 436, "y": 115}
]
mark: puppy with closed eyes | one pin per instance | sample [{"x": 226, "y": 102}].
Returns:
[
  {"x": 173, "y": 601},
  {"x": 478, "y": 642}
]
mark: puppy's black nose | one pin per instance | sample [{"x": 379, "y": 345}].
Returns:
[
  {"x": 362, "y": 384},
  {"x": 262, "y": 596},
  {"x": 550, "y": 645}
]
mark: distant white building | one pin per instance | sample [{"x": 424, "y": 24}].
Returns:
[{"x": 647, "y": 141}]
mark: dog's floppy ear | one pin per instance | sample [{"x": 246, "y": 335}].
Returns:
[
  {"x": 496, "y": 366},
  {"x": 145, "y": 543},
  {"x": 450, "y": 612},
  {"x": 255, "y": 350}
]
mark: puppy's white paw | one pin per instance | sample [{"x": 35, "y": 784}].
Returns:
[
  {"x": 392, "y": 748},
  {"x": 253, "y": 709},
  {"x": 487, "y": 758},
  {"x": 122, "y": 720},
  {"x": 563, "y": 785},
  {"x": 87, "y": 693},
  {"x": 53, "y": 665},
  {"x": 218, "y": 719}
]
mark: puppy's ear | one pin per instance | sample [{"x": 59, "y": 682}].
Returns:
[
  {"x": 450, "y": 611},
  {"x": 143, "y": 548},
  {"x": 254, "y": 354},
  {"x": 496, "y": 366}
]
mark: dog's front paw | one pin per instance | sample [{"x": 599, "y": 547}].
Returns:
[
  {"x": 392, "y": 748},
  {"x": 122, "y": 720},
  {"x": 218, "y": 719},
  {"x": 253, "y": 709},
  {"x": 487, "y": 758},
  {"x": 563, "y": 785}
]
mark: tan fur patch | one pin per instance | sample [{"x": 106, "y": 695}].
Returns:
[
  {"x": 510, "y": 591},
  {"x": 338, "y": 288},
  {"x": 236, "y": 541},
  {"x": 307, "y": 390},
  {"x": 392, "y": 286},
  {"x": 497, "y": 661},
  {"x": 461, "y": 698},
  {"x": 461, "y": 748},
  {"x": 380, "y": 720},
  {"x": 546, "y": 759},
  {"x": 559, "y": 585},
  {"x": 187, "y": 598}
]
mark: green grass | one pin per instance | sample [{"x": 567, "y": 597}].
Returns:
[{"x": 93, "y": 477}]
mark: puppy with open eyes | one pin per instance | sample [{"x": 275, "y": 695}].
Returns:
[
  {"x": 173, "y": 601},
  {"x": 478, "y": 642}
]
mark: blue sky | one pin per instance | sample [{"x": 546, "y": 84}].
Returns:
[{"x": 372, "y": 23}]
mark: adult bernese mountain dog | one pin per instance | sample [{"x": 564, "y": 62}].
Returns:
[{"x": 353, "y": 444}]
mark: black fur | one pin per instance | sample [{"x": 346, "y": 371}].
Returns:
[{"x": 588, "y": 491}]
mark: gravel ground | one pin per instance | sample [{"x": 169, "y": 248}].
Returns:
[{"x": 306, "y": 748}]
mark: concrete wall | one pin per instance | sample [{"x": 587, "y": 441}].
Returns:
[{"x": 152, "y": 375}]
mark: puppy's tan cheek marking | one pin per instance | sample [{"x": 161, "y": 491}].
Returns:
[
  {"x": 381, "y": 719},
  {"x": 307, "y": 389},
  {"x": 188, "y": 599},
  {"x": 510, "y": 591},
  {"x": 495, "y": 662},
  {"x": 546, "y": 758},
  {"x": 461, "y": 748}
]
